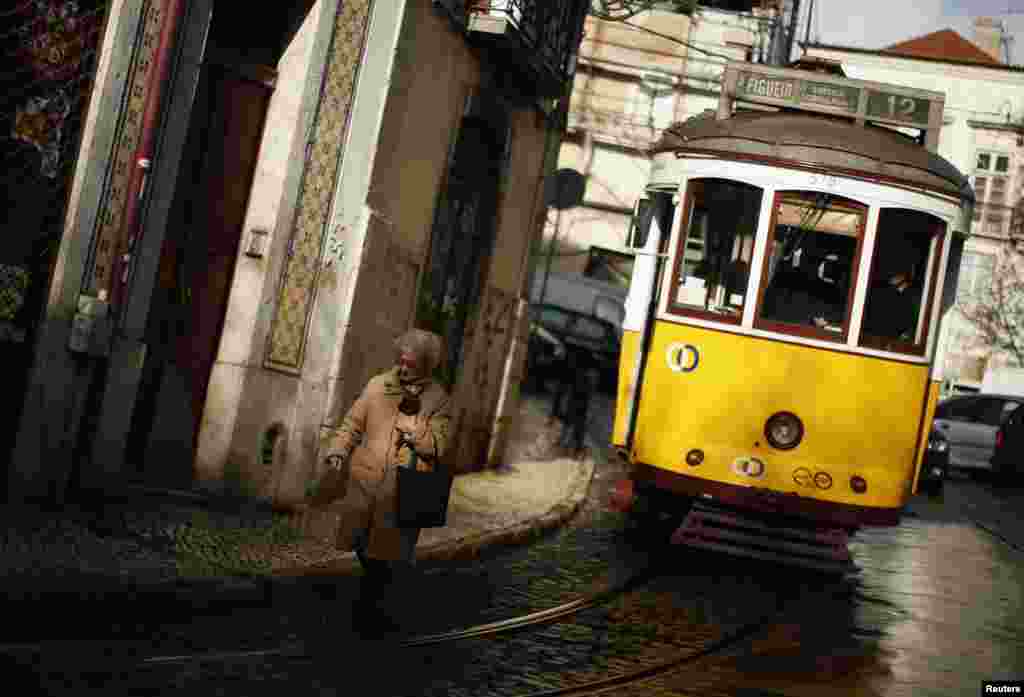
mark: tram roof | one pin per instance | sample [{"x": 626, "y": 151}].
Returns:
[{"x": 821, "y": 141}]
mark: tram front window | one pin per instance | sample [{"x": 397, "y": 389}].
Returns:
[
  {"x": 907, "y": 246},
  {"x": 810, "y": 264},
  {"x": 712, "y": 265}
]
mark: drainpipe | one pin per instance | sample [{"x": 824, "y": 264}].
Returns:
[
  {"x": 157, "y": 80},
  {"x": 502, "y": 419}
]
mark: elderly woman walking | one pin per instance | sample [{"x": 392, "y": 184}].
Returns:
[{"x": 401, "y": 417}]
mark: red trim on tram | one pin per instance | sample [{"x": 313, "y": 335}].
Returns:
[{"x": 765, "y": 500}]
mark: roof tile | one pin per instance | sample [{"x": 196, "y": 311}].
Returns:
[{"x": 945, "y": 44}]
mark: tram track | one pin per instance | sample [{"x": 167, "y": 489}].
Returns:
[
  {"x": 648, "y": 664},
  {"x": 479, "y": 631},
  {"x": 298, "y": 650},
  {"x": 744, "y": 631}
]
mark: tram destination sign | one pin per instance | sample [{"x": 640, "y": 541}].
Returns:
[
  {"x": 798, "y": 91},
  {"x": 817, "y": 92}
]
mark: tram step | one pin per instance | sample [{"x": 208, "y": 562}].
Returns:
[
  {"x": 828, "y": 536},
  {"x": 705, "y": 528},
  {"x": 824, "y": 565}
]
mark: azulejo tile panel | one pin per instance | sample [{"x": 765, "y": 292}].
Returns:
[{"x": 290, "y": 327}]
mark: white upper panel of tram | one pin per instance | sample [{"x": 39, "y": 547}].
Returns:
[
  {"x": 742, "y": 255},
  {"x": 876, "y": 207}
]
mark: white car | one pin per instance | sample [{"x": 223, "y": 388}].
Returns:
[{"x": 970, "y": 423}]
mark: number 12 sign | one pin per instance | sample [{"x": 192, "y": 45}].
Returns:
[{"x": 897, "y": 107}]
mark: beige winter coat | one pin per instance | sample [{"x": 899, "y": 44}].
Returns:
[{"x": 367, "y": 442}]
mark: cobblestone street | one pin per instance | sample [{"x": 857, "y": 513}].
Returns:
[{"x": 936, "y": 607}]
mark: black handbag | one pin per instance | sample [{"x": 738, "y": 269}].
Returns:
[{"x": 422, "y": 496}]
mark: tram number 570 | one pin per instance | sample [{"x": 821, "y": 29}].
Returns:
[{"x": 682, "y": 358}]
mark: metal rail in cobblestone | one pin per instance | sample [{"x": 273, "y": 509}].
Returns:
[
  {"x": 727, "y": 642},
  {"x": 532, "y": 619}
]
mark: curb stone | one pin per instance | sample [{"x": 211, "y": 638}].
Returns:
[{"x": 469, "y": 547}]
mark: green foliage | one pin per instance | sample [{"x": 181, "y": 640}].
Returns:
[{"x": 205, "y": 549}]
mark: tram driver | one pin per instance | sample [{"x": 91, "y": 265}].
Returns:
[{"x": 892, "y": 307}]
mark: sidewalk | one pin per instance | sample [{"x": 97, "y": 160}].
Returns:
[{"x": 181, "y": 553}]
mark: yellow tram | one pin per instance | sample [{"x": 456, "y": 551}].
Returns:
[{"x": 793, "y": 262}]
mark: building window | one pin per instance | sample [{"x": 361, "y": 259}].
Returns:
[
  {"x": 811, "y": 264},
  {"x": 712, "y": 268},
  {"x": 993, "y": 191}
]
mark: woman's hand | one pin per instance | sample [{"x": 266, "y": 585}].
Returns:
[{"x": 413, "y": 425}]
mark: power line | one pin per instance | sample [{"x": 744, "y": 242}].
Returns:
[{"x": 678, "y": 41}]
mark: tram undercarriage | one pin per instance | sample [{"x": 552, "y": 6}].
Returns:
[
  {"x": 716, "y": 528},
  {"x": 710, "y": 525}
]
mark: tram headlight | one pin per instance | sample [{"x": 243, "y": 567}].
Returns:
[
  {"x": 784, "y": 430},
  {"x": 694, "y": 457}
]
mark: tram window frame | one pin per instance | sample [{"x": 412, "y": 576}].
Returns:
[
  {"x": 676, "y": 281},
  {"x": 929, "y": 283},
  {"x": 806, "y": 330}
]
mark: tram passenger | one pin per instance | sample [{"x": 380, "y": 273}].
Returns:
[
  {"x": 796, "y": 298},
  {"x": 401, "y": 411},
  {"x": 892, "y": 308}
]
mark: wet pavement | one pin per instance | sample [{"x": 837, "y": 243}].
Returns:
[{"x": 936, "y": 607}]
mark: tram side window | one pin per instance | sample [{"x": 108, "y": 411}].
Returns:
[
  {"x": 810, "y": 264},
  {"x": 712, "y": 266},
  {"x": 903, "y": 277}
]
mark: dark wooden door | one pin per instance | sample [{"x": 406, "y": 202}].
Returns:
[
  {"x": 233, "y": 125},
  {"x": 238, "y": 107},
  {"x": 198, "y": 259}
]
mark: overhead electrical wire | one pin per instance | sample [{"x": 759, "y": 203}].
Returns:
[{"x": 678, "y": 41}]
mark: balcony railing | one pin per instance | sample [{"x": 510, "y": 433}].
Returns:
[{"x": 536, "y": 39}]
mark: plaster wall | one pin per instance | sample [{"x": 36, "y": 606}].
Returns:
[
  {"x": 435, "y": 72},
  {"x": 244, "y": 399}
]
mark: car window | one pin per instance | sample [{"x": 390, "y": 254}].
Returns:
[
  {"x": 554, "y": 319},
  {"x": 588, "y": 328},
  {"x": 958, "y": 409},
  {"x": 991, "y": 412}
]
